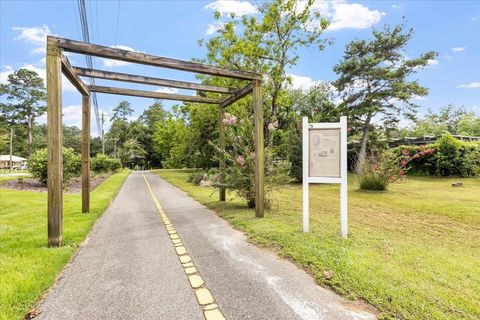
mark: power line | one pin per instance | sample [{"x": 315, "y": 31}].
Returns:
[{"x": 88, "y": 59}]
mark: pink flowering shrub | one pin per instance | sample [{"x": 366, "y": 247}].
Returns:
[
  {"x": 239, "y": 154},
  {"x": 379, "y": 170},
  {"x": 418, "y": 160}
]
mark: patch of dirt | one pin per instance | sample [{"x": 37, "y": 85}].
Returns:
[{"x": 73, "y": 186}]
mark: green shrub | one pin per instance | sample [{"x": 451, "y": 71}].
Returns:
[
  {"x": 450, "y": 157},
  {"x": 37, "y": 165},
  {"x": 196, "y": 177},
  {"x": 102, "y": 163},
  {"x": 379, "y": 170}
]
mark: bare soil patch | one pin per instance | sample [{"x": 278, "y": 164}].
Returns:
[{"x": 32, "y": 184}]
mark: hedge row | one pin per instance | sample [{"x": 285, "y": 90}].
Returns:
[
  {"x": 446, "y": 157},
  {"x": 37, "y": 164}
]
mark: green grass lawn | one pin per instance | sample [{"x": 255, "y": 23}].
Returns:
[
  {"x": 413, "y": 251},
  {"x": 13, "y": 176},
  {"x": 27, "y": 266}
]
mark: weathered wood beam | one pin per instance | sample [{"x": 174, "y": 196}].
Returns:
[
  {"x": 153, "y": 94},
  {"x": 71, "y": 75},
  {"x": 221, "y": 145},
  {"x": 117, "y": 76},
  {"x": 148, "y": 59},
  {"x": 54, "y": 138},
  {"x": 259, "y": 151},
  {"x": 237, "y": 95},
  {"x": 85, "y": 153}
]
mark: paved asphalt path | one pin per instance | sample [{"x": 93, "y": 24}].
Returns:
[{"x": 128, "y": 269}]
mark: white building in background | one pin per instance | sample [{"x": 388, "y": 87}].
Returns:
[{"x": 18, "y": 163}]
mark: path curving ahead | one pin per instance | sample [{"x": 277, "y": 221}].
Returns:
[{"x": 131, "y": 267}]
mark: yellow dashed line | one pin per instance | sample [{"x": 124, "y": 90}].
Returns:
[{"x": 205, "y": 299}]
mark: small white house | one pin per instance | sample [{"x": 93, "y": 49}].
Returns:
[{"x": 18, "y": 163}]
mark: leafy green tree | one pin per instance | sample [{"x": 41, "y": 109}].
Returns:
[
  {"x": 374, "y": 81},
  {"x": 26, "y": 92},
  {"x": 122, "y": 111},
  {"x": 268, "y": 45},
  {"x": 152, "y": 116},
  {"x": 132, "y": 152},
  {"x": 451, "y": 119},
  {"x": 170, "y": 140},
  {"x": 469, "y": 125}
]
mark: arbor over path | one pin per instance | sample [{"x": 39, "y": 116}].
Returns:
[{"x": 57, "y": 63}]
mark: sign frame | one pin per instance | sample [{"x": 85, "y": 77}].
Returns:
[{"x": 342, "y": 180}]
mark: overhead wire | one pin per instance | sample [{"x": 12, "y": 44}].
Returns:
[{"x": 88, "y": 59}]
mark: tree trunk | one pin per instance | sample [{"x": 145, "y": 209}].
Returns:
[
  {"x": 362, "y": 154},
  {"x": 30, "y": 136}
]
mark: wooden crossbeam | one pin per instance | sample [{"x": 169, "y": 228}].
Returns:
[
  {"x": 237, "y": 95},
  {"x": 108, "y": 75},
  {"x": 71, "y": 75},
  {"x": 148, "y": 59},
  {"x": 153, "y": 94}
]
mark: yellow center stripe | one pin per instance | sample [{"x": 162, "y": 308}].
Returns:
[{"x": 205, "y": 299}]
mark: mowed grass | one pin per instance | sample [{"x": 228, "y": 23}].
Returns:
[
  {"x": 27, "y": 266},
  {"x": 7, "y": 177},
  {"x": 413, "y": 251}
]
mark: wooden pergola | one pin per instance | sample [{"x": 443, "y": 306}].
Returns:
[{"x": 57, "y": 63}]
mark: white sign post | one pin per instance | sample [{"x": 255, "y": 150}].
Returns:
[{"x": 325, "y": 161}]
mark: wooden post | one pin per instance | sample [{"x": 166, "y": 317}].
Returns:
[
  {"x": 221, "y": 144},
  {"x": 85, "y": 153},
  {"x": 259, "y": 152},
  {"x": 55, "y": 141}
]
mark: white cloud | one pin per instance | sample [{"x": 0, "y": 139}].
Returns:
[
  {"x": 226, "y": 7},
  {"x": 432, "y": 62},
  {"x": 471, "y": 85},
  {"x": 343, "y": 15},
  {"x": 458, "y": 49},
  {"x": 36, "y": 36},
  {"x": 214, "y": 27},
  {"x": 110, "y": 63},
  {"x": 72, "y": 115},
  {"x": 5, "y": 73},
  {"x": 476, "y": 18},
  {"x": 419, "y": 98},
  {"x": 302, "y": 82},
  {"x": 167, "y": 90}
]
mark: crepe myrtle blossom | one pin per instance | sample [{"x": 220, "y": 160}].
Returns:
[
  {"x": 272, "y": 126},
  {"x": 240, "y": 160},
  {"x": 229, "y": 120}
]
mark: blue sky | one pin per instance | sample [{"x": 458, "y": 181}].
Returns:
[{"x": 173, "y": 28}]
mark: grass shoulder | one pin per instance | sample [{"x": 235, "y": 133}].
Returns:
[
  {"x": 412, "y": 251},
  {"x": 28, "y": 267}
]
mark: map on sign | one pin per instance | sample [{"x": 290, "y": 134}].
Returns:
[{"x": 324, "y": 153}]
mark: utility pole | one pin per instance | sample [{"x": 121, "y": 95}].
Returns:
[
  {"x": 11, "y": 149},
  {"x": 103, "y": 134}
]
